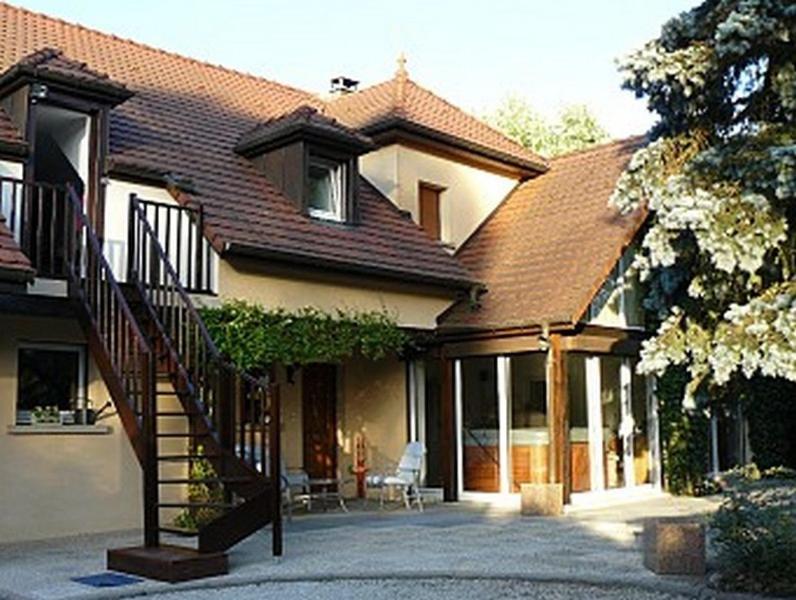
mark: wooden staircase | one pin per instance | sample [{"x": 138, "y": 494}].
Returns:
[{"x": 181, "y": 404}]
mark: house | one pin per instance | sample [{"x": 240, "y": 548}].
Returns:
[{"x": 137, "y": 185}]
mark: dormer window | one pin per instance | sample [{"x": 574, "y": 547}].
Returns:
[
  {"x": 312, "y": 159},
  {"x": 326, "y": 182}
]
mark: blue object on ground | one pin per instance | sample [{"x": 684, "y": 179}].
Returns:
[{"x": 103, "y": 580}]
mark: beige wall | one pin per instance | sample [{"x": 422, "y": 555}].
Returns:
[
  {"x": 291, "y": 293},
  {"x": 52, "y": 485},
  {"x": 371, "y": 402},
  {"x": 470, "y": 194}
]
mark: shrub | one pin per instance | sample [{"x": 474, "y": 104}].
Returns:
[{"x": 755, "y": 534}]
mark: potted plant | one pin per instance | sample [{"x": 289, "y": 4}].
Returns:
[{"x": 45, "y": 415}]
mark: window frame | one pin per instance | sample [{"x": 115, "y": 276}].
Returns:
[
  {"x": 338, "y": 170},
  {"x": 82, "y": 370}
]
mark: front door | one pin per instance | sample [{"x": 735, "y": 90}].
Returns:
[{"x": 319, "y": 406}]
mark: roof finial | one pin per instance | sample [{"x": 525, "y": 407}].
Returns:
[
  {"x": 401, "y": 72},
  {"x": 401, "y": 77}
]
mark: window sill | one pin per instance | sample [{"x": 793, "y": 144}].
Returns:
[{"x": 59, "y": 429}]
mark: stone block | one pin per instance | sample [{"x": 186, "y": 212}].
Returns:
[
  {"x": 542, "y": 499},
  {"x": 674, "y": 546}
]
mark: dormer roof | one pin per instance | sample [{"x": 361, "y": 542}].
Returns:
[
  {"x": 305, "y": 122},
  {"x": 51, "y": 66}
]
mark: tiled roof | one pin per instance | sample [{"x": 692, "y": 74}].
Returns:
[
  {"x": 186, "y": 117},
  {"x": 546, "y": 250},
  {"x": 14, "y": 265},
  {"x": 305, "y": 118},
  {"x": 401, "y": 100}
]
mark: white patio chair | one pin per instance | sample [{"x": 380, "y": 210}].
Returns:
[
  {"x": 295, "y": 489},
  {"x": 407, "y": 477}
]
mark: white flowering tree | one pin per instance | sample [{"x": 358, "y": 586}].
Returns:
[{"x": 719, "y": 178}]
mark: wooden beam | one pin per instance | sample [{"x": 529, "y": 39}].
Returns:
[
  {"x": 558, "y": 415},
  {"x": 494, "y": 346},
  {"x": 448, "y": 434}
]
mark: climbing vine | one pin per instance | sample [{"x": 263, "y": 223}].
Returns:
[{"x": 254, "y": 337}]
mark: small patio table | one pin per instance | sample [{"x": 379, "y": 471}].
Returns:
[{"x": 329, "y": 491}]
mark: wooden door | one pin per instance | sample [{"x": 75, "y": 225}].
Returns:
[
  {"x": 319, "y": 408},
  {"x": 428, "y": 198}
]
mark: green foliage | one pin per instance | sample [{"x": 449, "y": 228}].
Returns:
[
  {"x": 576, "y": 127},
  {"x": 254, "y": 337},
  {"x": 719, "y": 178},
  {"x": 755, "y": 535},
  {"x": 200, "y": 491},
  {"x": 685, "y": 445}
]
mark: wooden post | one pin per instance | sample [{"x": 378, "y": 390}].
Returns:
[
  {"x": 274, "y": 451},
  {"x": 448, "y": 434},
  {"x": 151, "y": 516},
  {"x": 558, "y": 413}
]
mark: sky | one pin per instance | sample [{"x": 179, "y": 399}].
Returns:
[{"x": 473, "y": 53}]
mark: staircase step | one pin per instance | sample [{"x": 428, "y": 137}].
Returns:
[
  {"x": 195, "y": 505},
  {"x": 171, "y": 393},
  {"x": 186, "y": 457},
  {"x": 182, "y": 435},
  {"x": 180, "y": 531},
  {"x": 183, "y": 480}
]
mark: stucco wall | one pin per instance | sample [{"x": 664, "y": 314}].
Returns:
[
  {"x": 53, "y": 485},
  {"x": 470, "y": 194},
  {"x": 373, "y": 403},
  {"x": 409, "y": 310}
]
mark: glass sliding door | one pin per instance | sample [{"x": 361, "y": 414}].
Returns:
[
  {"x": 580, "y": 468},
  {"x": 641, "y": 440},
  {"x": 611, "y": 409},
  {"x": 528, "y": 435},
  {"x": 480, "y": 442}
]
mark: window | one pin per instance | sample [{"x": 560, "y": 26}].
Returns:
[
  {"x": 326, "y": 189},
  {"x": 49, "y": 375},
  {"x": 428, "y": 207}
]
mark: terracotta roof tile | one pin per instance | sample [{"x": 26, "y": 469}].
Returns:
[
  {"x": 401, "y": 99},
  {"x": 14, "y": 265},
  {"x": 548, "y": 247},
  {"x": 186, "y": 117}
]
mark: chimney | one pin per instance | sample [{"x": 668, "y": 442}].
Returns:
[{"x": 343, "y": 85}]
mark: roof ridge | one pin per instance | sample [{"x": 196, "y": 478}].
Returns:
[
  {"x": 633, "y": 139},
  {"x": 162, "y": 51},
  {"x": 473, "y": 116}
]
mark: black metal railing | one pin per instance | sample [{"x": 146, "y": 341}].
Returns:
[{"x": 180, "y": 231}]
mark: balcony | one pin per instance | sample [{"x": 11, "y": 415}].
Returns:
[{"x": 39, "y": 217}]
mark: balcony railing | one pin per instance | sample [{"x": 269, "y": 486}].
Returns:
[
  {"x": 39, "y": 217},
  {"x": 179, "y": 230}
]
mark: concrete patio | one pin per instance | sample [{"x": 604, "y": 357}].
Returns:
[{"x": 596, "y": 547}]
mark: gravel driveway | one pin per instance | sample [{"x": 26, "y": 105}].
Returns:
[{"x": 418, "y": 589}]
